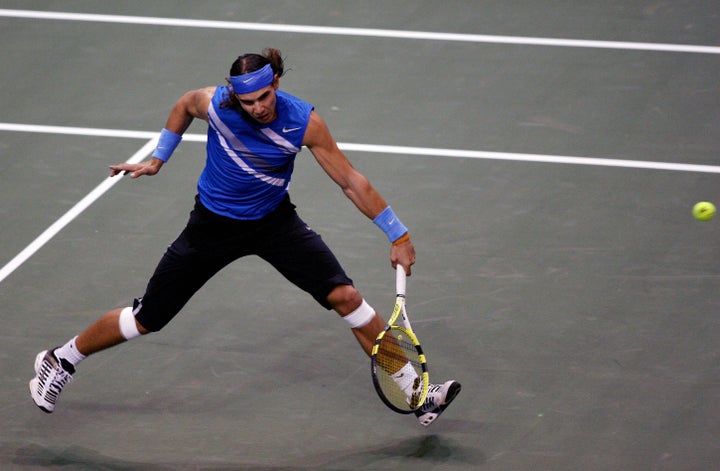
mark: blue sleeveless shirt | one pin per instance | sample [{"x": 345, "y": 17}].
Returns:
[{"x": 249, "y": 164}]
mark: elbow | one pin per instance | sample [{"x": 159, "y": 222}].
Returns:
[{"x": 356, "y": 186}]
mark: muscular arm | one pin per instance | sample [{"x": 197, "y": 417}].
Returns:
[
  {"x": 354, "y": 184},
  {"x": 193, "y": 104}
]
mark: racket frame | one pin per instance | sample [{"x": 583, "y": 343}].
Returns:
[{"x": 399, "y": 311}]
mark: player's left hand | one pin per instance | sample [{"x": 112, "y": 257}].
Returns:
[{"x": 404, "y": 254}]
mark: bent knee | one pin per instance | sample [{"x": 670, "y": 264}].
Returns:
[
  {"x": 129, "y": 326},
  {"x": 344, "y": 299}
]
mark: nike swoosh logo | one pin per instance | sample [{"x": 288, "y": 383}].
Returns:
[{"x": 285, "y": 130}]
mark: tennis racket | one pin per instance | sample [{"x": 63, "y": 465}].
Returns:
[{"x": 399, "y": 370}]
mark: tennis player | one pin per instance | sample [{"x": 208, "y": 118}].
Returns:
[{"x": 242, "y": 207}]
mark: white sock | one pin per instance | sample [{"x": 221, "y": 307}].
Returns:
[
  {"x": 405, "y": 379},
  {"x": 70, "y": 352}
]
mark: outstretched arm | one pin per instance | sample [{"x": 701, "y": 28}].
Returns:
[
  {"x": 354, "y": 184},
  {"x": 193, "y": 104}
]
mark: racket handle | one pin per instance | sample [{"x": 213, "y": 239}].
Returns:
[{"x": 400, "y": 281}]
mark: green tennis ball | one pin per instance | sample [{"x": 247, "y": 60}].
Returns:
[{"x": 704, "y": 211}]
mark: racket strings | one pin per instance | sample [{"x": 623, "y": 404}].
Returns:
[{"x": 400, "y": 370}]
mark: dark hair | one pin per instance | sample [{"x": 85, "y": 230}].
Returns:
[{"x": 250, "y": 63}]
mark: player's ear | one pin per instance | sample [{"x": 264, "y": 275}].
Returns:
[{"x": 276, "y": 82}]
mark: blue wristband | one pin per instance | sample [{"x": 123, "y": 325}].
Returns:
[
  {"x": 390, "y": 224},
  {"x": 167, "y": 143}
]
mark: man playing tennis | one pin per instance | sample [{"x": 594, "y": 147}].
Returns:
[{"x": 255, "y": 131}]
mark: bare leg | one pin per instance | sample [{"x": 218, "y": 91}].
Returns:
[
  {"x": 103, "y": 333},
  {"x": 54, "y": 369},
  {"x": 345, "y": 299},
  {"x": 367, "y": 334}
]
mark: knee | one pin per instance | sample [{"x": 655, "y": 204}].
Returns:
[
  {"x": 348, "y": 302},
  {"x": 344, "y": 299},
  {"x": 129, "y": 326}
]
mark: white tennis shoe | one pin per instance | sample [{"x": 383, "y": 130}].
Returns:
[
  {"x": 439, "y": 396},
  {"x": 51, "y": 376}
]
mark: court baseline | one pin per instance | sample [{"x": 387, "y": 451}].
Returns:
[{"x": 361, "y": 32}]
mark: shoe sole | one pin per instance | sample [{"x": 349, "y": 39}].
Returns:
[
  {"x": 451, "y": 394},
  {"x": 33, "y": 388}
]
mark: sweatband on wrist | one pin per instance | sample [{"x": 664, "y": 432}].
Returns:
[
  {"x": 390, "y": 224},
  {"x": 167, "y": 143}
]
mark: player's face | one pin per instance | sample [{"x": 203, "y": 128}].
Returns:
[{"x": 260, "y": 104}]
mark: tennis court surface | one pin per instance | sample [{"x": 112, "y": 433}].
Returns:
[{"x": 545, "y": 156}]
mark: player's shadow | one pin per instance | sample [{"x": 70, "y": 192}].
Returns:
[
  {"x": 430, "y": 450},
  {"x": 419, "y": 451},
  {"x": 77, "y": 458},
  {"x": 437, "y": 448}
]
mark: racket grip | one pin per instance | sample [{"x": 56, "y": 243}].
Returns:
[{"x": 400, "y": 280}]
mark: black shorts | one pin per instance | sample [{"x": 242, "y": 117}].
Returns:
[{"x": 210, "y": 242}]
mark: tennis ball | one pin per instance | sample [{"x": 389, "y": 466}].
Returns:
[{"x": 704, "y": 211}]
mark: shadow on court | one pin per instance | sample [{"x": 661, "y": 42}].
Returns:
[{"x": 417, "y": 453}]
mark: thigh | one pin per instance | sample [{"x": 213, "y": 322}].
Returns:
[
  {"x": 301, "y": 256},
  {"x": 198, "y": 253}
]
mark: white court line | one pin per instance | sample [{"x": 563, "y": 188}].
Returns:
[
  {"x": 90, "y": 132},
  {"x": 538, "y": 158},
  {"x": 381, "y": 149},
  {"x": 363, "y": 32},
  {"x": 74, "y": 212},
  {"x": 141, "y": 154}
]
